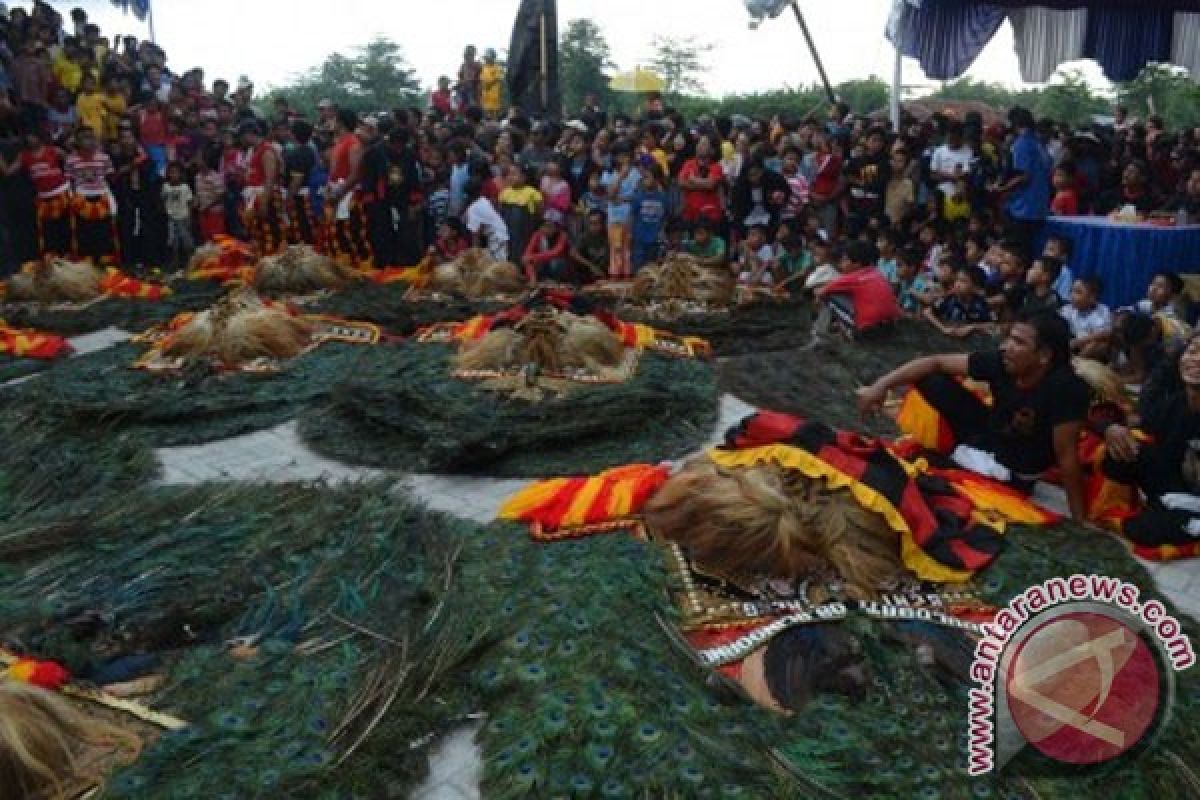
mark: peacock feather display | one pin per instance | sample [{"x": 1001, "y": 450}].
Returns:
[
  {"x": 125, "y": 313},
  {"x": 390, "y": 307},
  {"x": 401, "y": 409}
]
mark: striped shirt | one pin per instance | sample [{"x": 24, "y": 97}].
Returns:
[{"x": 89, "y": 173}]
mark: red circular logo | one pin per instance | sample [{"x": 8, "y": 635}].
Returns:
[{"x": 1083, "y": 688}]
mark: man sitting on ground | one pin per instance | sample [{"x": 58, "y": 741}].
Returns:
[{"x": 1038, "y": 405}]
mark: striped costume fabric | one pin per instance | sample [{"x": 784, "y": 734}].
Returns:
[
  {"x": 946, "y": 36},
  {"x": 22, "y": 343}
]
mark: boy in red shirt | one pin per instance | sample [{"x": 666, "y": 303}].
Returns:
[
  {"x": 1066, "y": 195},
  {"x": 860, "y": 298},
  {"x": 546, "y": 254}
]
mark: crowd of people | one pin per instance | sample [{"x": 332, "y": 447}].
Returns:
[{"x": 114, "y": 156}]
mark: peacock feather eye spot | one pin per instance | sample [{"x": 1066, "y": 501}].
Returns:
[
  {"x": 526, "y": 746},
  {"x": 568, "y": 648},
  {"x": 520, "y": 640},
  {"x": 692, "y": 775},
  {"x": 604, "y": 729},
  {"x": 929, "y": 793},
  {"x": 499, "y": 725},
  {"x": 532, "y": 673},
  {"x": 581, "y": 783},
  {"x": 489, "y": 678},
  {"x": 318, "y": 725},
  {"x": 254, "y": 704},
  {"x": 319, "y": 758},
  {"x": 527, "y": 775},
  {"x": 930, "y": 772},
  {"x": 599, "y": 708},
  {"x": 269, "y": 777},
  {"x": 839, "y": 732},
  {"x": 684, "y": 751},
  {"x": 504, "y": 758},
  {"x": 613, "y": 788},
  {"x": 230, "y": 721},
  {"x": 648, "y": 733},
  {"x": 904, "y": 762},
  {"x": 731, "y": 728},
  {"x": 981, "y": 790}
]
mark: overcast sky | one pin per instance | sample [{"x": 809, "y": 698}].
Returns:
[{"x": 272, "y": 40}]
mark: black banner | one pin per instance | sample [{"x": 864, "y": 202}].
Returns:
[{"x": 533, "y": 59}]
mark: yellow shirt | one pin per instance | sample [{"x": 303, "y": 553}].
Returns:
[
  {"x": 526, "y": 196},
  {"x": 93, "y": 113},
  {"x": 726, "y": 150},
  {"x": 116, "y": 107},
  {"x": 68, "y": 74},
  {"x": 492, "y": 78}
]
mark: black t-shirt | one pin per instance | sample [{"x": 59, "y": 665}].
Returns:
[
  {"x": 1022, "y": 421},
  {"x": 300, "y": 161}
]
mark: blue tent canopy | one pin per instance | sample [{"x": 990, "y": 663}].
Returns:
[{"x": 946, "y": 36}]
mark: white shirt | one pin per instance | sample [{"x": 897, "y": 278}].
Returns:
[
  {"x": 945, "y": 160},
  {"x": 178, "y": 201},
  {"x": 1085, "y": 323},
  {"x": 482, "y": 216}
]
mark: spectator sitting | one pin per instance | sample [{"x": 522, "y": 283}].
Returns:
[
  {"x": 546, "y": 254},
  {"x": 708, "y": 248},
  {"x": 913, "y": 282},
  {"x": 888, "y": 244},
  {"x": 964, "y": 310},
  {"x": 451, "y": 241},
  {"x": 1039, "y": 283},
  {"x": 794, "y": 262},
  {"x": 555, "y": 190},
  {"x": 1090, "y": 320},
  {"x": 860, "y": 298},
  {"x": 824, "y": 272},
  {"x": 1060, "y": 248},
  {"x": 591, "y": 251},
  {"x": 755, "y": 259}
]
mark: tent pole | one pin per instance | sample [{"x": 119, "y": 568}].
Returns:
[
  {"x": 150, "y": 21},
  {"x": 897, "y": 86},
  {"x": 545, "y": 67},
  {"x": 812, "y": 48}
]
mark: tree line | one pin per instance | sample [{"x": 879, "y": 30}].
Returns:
[{"x": 377, "y": 77}]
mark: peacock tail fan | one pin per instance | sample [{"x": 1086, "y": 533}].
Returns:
[
  {"x": 302, "y": 633},
  {"x": 585, "y": 695},
  {"x": 783, "y": 380},
  {"x": 114, "y": 312},
  {"x": 759, "y": 328},
  {"x": 198, "y": 407},
  {"x": 388, "y": 307},
  {"x": 401, "y": 410}
]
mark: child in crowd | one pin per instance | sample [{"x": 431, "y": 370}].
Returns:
[
  {"x": 1166, "y": 305},
  {"x": 793, "y": 262},
  {"x": 912, "y": 282},
  {"x": 1066, "y": 195},
  {"x": 649, "y": 219},
  {"x": 1090, "y": 320},
  {"x": 177, "y": 200},
  {"x": 622, "y": 182},
  {"x": 964, "y": 310},
  {"x": 1060, "y": 248},
  {"x": 556, "y": 192},
  {"x": 485, "y": 224},
  {"x": 797, "y": 184},
  {"x": 437, "y": 210},
  {"x": 944, "y": 274},
  {"x": 520, "y": 206},
  {"x": 824, "y": 270},
  {"x": 1006, "y": 289},
  {"x": 888, "y": 243},
  {"x": 708, "y": 248},
  {"x": 590, "y": 253},
  {"x": 451, "y": 241},
  {"x": 975, "y": 248},
  {"x": 210, "y": 195},
  {"x": 594, "y": 199},
  {"x": 860, "y": 298},
  {"x": 755, "y": 259},
  {"x": 548, "y": 250},
  {"x": 1039, "y": 286}
]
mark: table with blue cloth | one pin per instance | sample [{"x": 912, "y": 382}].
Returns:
[{"x": 1124, "y": 256}]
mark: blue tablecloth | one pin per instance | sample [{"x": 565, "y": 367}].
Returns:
[{"x": 1125, "y": 256}]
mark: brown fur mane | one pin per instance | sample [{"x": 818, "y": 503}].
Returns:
[{"x": 771, "y": 521}]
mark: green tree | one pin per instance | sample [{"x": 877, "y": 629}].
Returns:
[
  {"x": 864, "y": 96},
  {"x": 1070, "y": 100},
  {"x": 681, "y": 62},
  {"x": 1164, "y": 90},
  {"x": 584, "y": 61},
  {"x": 376, "y": 78}
]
